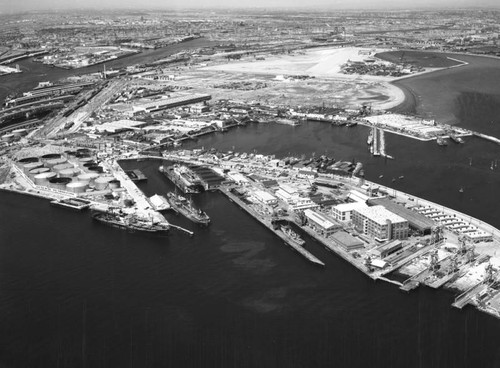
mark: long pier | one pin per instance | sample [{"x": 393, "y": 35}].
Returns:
[
  {"x": 487, "y": 137},
  {"x": 305, "y": 253}
]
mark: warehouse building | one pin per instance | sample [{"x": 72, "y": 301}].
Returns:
[
  {"x": 321, "y": 223},
  {"x": 346, "y": 241},
  {"x": 417, "y": 221}
]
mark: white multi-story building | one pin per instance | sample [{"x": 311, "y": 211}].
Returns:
[{"x": 380, "y": 223}]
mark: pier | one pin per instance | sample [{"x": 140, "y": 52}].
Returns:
[
  {"x": 267, "y": 223},
  {"x": 487, "y": 137}
]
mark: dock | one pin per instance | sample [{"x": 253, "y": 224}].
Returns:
[
  {"x": 466, "y": 297},
  {"x": 181, "y": 229},
  {"x": 304, "y": 252}
]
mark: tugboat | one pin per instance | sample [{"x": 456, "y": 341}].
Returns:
[
  {"x": 128, "y": 222},
  {"x": 186, "y": 208},
  {"x": 369, "y": 141},
  {"x": 292, "y": 235}
]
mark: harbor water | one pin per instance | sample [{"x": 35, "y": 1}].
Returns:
[{"x": 76, "y": 293}]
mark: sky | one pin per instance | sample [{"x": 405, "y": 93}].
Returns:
[{"x": 7, "y": 6}]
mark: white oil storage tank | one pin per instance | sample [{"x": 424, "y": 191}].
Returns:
[
  {"x": 59, "y": 183},
  {"x": 19, "y": 132},
  {"x": 60, "y": 167},
  {"x": 76, "y": 187},
  {"x": 8, "y": 137},
  {"x": 102, "y": 182},
  {"x": 36, "y": 171},
  {"x": 68, "y": 173},
  {"x": 43, "y": 178},
  {"x": 32, "y": 165},
  {"x": 88, "y": 178},
  {"x": 55, "y": 161},
  {"x": 114, "y": 184}
]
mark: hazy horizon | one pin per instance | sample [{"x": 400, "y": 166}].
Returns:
[{"x": 33, "y": 5}]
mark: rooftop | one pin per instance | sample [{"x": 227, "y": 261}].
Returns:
[{"x": 379, "y": 214}]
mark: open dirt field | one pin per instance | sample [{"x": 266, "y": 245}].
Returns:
[{"x": 326, "y": 84}]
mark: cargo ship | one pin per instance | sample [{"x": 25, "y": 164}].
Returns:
[
  {"x": 185, "y": 208},
  {"x": 184, "y": 178},
  {"x": 128, "y": 222},
  {"x": 292, "y": 235}
]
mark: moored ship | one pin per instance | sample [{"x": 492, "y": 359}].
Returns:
[
  {"x": 185, "y": 208},
  {"x": 129, "y": 222},
  {"x": 183, "y": 177},
  {"x": 292, "y": 235}
]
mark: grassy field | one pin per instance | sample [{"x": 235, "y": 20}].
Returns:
[{"x": 422, "y": 59}]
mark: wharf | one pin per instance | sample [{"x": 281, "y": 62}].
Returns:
[
  {"x": 466, "y": 297},
  {"x": 305, "y": 253},
  {"x": 336, "y": 249}
]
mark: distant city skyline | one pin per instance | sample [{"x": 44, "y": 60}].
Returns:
[{"x": 27, "y": 5}]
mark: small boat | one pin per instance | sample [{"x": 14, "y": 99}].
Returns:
[
  {"x": 381, "y": 176},
  {"x": 461, "y": 190},
  {"x": 393, "y": 180},
  {"x": 402, "y": 177}
]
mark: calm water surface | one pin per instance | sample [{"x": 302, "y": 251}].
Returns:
[{"x": 76, "y": 293}]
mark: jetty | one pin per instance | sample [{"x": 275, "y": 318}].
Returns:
[{"x": 267, "y": 222}]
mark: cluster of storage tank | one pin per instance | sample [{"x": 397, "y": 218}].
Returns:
[
  {"x": 77, "y": 176},
  {"x": 15, "y": 134}
]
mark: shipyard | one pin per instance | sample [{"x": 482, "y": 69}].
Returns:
[{"x": 253, "y": 187}]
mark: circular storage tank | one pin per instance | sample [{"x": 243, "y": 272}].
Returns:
[
  {"x": 32, "y": 165},
  {"x": 70, "y": 153},
  {"x": 102, "y": 182},
  {"x": 60, "y": 167},
  {"x": 89, "y": 164},
  {"x": 95, "y": 169},
  {"x": 88, "y": 178},
  {"x": 28, "y": 160},
  {"x": 43, "y": 178},
  {"x": 76, "y": 187},
  {"x": 38, "y": 170},
  {"x": 55, "y": 161},
  {"x": 51, "y": 156},
  {"x": 19, "y": 132},
  {"x": 59, "y": 183},
  {"x": 68, "y": 173},
  {"x": 8, "y": 137},
  {"x": 83, "y": 151},
  {"x": 85, "y": 159},
  {"x": 114, "y": 184}
]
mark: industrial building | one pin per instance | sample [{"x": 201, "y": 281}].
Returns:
[
  {"x": 170, "y": 102},
  {"x": 346, "y": 241},
  {"x": 380, "y": 223},
  {"x": 387, "y": 249},
  {"x": 321, "y": 223},
  {"x": 417, "y": 221},
  {"x": 265, "y": 197}
]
